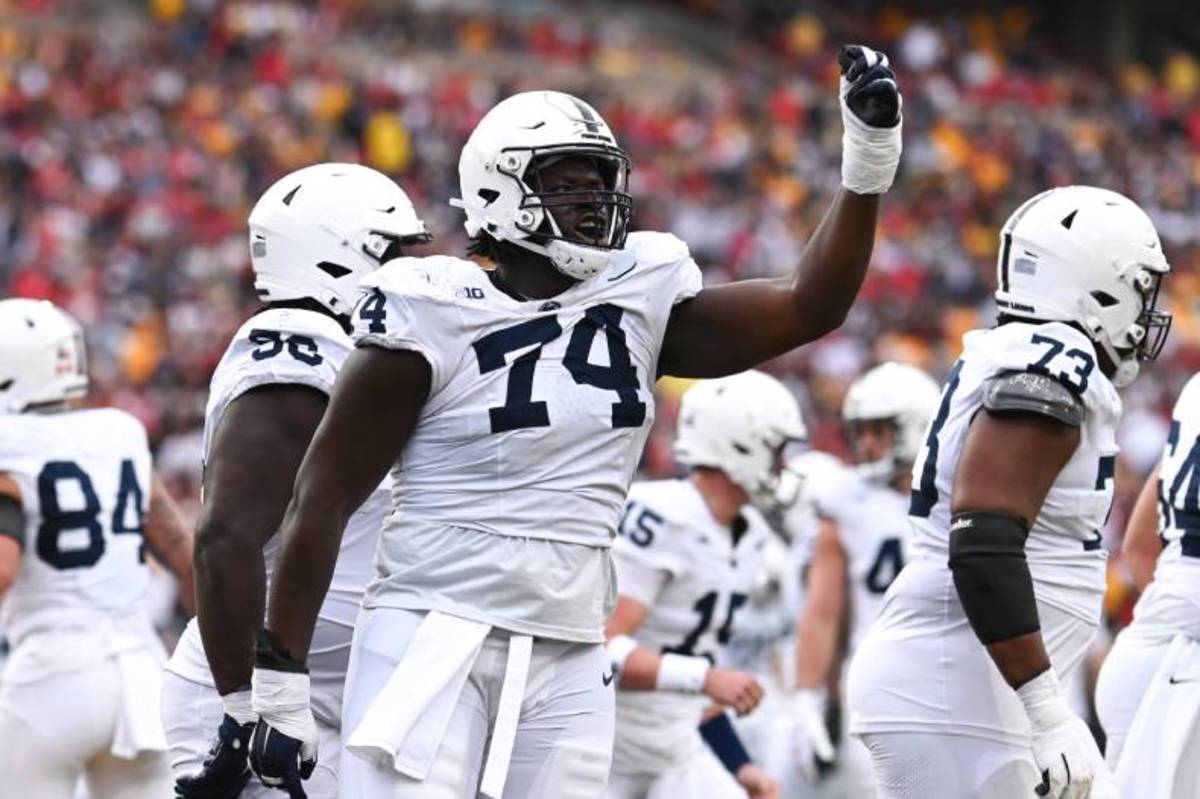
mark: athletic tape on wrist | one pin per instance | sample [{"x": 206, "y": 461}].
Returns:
[
  {"x": 682, "y": 673},
  {"x": 870, "y": 156},
  {"x": 1044, "y": 702},
  {"x": 281, "y": 698},
  {"x": 239, "y": 705}
]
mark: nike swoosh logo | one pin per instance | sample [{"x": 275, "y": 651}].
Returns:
[
  {"x": 608, "y": 678},
  {"x": 623, "y": 274},
  {"x": 1175, "y": 681}
]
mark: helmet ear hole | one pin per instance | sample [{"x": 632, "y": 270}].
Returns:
[{"x": 1104, "y": 299}]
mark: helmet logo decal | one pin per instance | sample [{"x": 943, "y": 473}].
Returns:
[
  {"x": 287, "y": 198},
  {"x": 1069, "y": 219},
  {"x": 1026, "y": 265}
]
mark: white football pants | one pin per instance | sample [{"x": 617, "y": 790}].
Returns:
[
  {"x": 1148, "y": 700},
  {"x": 925, "y": 765},
  {"x": 561, "y": 745},
  {"x": 55, "y": 730},
  {"x": 191, "y": 713}
]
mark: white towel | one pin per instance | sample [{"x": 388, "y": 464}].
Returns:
[
  {"x": 408, "y": 718},
  {"x": 508, "y": 714},
  {"x": 139, "y": 724},
  {"x": 1164, "y": 726}
]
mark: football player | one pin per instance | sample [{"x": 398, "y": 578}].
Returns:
[
  {"x": 313, "y": 235},
  {"x": 858, "y": 550},
  {"x": 79, "y": 508},
  {"x": 1148, "y": 691},
  {"x": 687, "y": 558},
  {"x": 512, "y": 406},
  {"x": 955, "y": 690}
]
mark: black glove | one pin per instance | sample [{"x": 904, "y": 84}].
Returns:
[
  {"x": 226, "y": 770},
  {"x": 873, "y": 94}
]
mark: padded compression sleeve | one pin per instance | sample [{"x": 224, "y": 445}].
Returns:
[{"x": 987, "y": 559}]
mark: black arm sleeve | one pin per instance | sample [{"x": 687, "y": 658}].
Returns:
[
  {"x": 987, "y": 559},
  {"x": 723, "y": 740},
  {"x": 12, "y": 519}
]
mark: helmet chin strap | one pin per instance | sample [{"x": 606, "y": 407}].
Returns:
[{"x": 576, "y": 261}]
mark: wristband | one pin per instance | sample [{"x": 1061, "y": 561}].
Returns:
[
  {"x": 870, "y": 156},
  {"x": 682, "y": 673},
  {"x": 239, "y": 705},
  {"x": 619, "y": 649}
]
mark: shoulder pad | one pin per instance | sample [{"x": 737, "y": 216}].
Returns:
[
  {"x": 1028, "y": 392},
  {"x": 652, "y": 248},
  {"x": 431, "y": 277}
]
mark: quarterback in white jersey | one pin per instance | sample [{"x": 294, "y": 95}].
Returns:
[
  {"x": 859, "y": 549},
  {"x": 512, "y": 405},
  {"x": 687, "y": 557},
  {"x": 1147, "y": 693},
  {"x": 313, "y": 235},
  {"x": 1010, "y": 492},
  {"x": 79, "y": 508}
]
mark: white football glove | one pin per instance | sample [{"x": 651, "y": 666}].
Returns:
[
  {"x": 811, "y": 738},
  {"x": 1063, "y": 747}
]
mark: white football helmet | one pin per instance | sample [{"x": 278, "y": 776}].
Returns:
[
  {"x": 501, "y": 190},
  {"x": 1090, "y": 257},
  {"x": 739, "y": 424},
  {"x": 897, "y": 393},
  {"x": 42, "y": 356},
  {"x": 316, "y": 231}
]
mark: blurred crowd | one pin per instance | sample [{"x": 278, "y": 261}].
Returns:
[{"x": 136, "y": 138}]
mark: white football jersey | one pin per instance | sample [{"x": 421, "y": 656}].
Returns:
[
  {"x": 1064, "y": 549},
  {"x": 84, "y": 478},
  {"x": 872, "y": 525},
  {"x": 509, "y": 491},
  {"x": 287, "y": 346},
  {"x": 685, "y": 567},
  {"x": 1172, "y": 600}
]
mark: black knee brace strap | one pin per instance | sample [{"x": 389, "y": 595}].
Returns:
[{"x": 987, "y": 559}]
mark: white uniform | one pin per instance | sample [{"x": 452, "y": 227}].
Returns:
[
  {"x": 79, "y": 694},
  {"x": 691, "y": 574},
  {"x": 921, "y": 676},
  {"x": 279, "y": 347},
  {"x": 872, "y": 527},
  {"x": 506, "y": 503},
  {"x": 1170, "y": 606},
  {"x": 768, "y": 647}
]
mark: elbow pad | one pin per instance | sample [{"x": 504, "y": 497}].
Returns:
[{"x": 987, "y": 559}]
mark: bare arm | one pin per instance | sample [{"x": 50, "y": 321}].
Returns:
[
  {"x": 1142, "y": 545},
  {"x": 731, "y": 328},
  {"x": 170, "y": 540},
  {"x": 1008, "y": 465},
  {"x": 373, "y": 411},
  {"x": 817, "y": 631},
  {"x": 640, "y": 672},
  {"x": 247, "y": 485}
]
